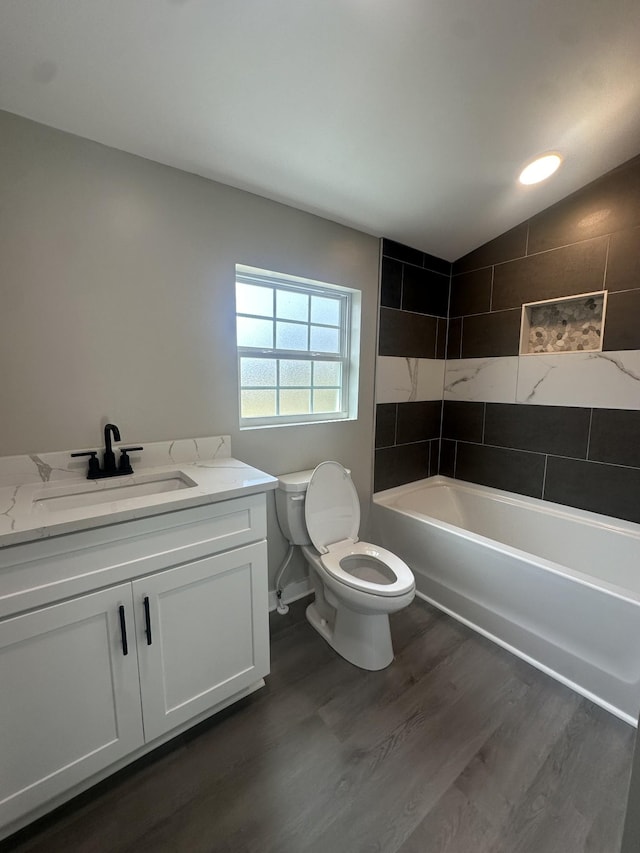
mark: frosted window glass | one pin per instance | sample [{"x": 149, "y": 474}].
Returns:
[
  {"x": 292, "y": 306},
  {"x": 258, "y": 404},
  {"x": 258, "y": 371},
  {"x": 295, "y": 372},
  {"x": 251, "y": 299},
  {"x": 295, "y": 402},
  {"x": 326, "y": 373},
  {"x": 254, "y": 333},
  {"x": 326, "y": 401},
  {"x": 325, "y": 310},
  {"x": 324, "y": 340},
  {"x": 291, "y": 336}
]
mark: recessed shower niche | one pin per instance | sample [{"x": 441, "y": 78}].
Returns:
[{"x": 568, "y": 324}]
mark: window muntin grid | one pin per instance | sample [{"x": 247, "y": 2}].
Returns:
[{"x": 293, "y": 350}]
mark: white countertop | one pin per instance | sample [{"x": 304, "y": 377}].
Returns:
[{"x": 26, "y": 484}]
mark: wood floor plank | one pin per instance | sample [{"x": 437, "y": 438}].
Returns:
[
  {"x": 503, "y": 770},
  {"x": 454, "y": 826},
  {"x": 458, "y": 747},
  {"x": 569, "y": 786},
  {"x": 416, "y": 753},
  {"x": 376, "y": 692}
]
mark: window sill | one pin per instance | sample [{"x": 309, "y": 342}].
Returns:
[{"x": 349, "y": 419}]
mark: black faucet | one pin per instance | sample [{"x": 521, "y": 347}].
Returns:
[
  {"x": 109, "y": 468},
  {"x": 109, "y": 458}
]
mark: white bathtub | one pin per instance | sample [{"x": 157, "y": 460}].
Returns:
[{"x": 557, "y": 586}]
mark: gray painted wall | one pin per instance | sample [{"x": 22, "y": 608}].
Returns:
[{"x": 117, "y": 303}]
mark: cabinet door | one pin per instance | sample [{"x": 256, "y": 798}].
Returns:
[
  {"x": 209, "y": 635},
  {"x": 69, "y": 697}
]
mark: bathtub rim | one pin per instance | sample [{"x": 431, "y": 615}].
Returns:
[{"x": 383, "y": 499}]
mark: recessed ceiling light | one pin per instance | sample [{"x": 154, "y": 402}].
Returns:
[{"x": 540, "y": 168}]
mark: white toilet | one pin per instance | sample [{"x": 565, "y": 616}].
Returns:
[{"x": 357, "y": 585}]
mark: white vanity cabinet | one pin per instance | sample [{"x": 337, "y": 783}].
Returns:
[
  {"x": 69, "y": 698},
  {"x": 115, "y": 639},
  {"x": 202, "y": 635}
]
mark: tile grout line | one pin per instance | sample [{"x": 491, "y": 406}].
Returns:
[
  {"x": 444, "y": 374},
  {"x": 540, "y": 252},
  {"x": 589, "y": 435},
  {"x": 515, "y": 390},
  {"x": 484, "y": 420},
  {"x": 413, "y": 443},
  {"x": 554, "y": 455},
  {"x": 455, "y": 459},
  {"x": 514, "y": 308},
  {"x": 526, "y": 246},
  {"x": 493, "y": 273},
  {"x": 424, "y": 314},
  {"x": 544, "y": 475},
  {"x": 606, "y": 263},
  {"x": 419, "y": 266}
]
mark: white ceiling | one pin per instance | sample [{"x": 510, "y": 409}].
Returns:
[{"x": 408, "y": 119}]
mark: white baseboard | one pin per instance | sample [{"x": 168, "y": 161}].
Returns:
[{"x": 292, "y": 592}]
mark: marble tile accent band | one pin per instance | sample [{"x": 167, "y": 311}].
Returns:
[
  {"x": 408, "y": 380},
  {"x": 600, "y": 380},
  {"x": 488, "y": 380}
]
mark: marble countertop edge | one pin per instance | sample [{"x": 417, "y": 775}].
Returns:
[{"x": 215, "y": 480}]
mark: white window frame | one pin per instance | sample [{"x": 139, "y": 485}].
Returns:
[{"x": 347, "y": 357}]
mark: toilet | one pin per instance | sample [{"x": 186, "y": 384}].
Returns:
[{"x": 357, "y": 585}]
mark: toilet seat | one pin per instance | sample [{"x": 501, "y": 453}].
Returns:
[
  {"x": 332, "y": 515},
  {"x": 333, "y": 562}
]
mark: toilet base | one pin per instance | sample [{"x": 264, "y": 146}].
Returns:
[{"x": 362, "y": 639}]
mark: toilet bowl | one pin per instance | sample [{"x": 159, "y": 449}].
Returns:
[{"x": 357, "y": 585}]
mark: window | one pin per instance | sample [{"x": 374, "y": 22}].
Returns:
[{"x": 296, "y": 341}]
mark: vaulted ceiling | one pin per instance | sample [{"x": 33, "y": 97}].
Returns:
[{"x": 404, "y": 118}]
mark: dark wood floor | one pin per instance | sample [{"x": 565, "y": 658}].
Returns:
[{"x": 458, "y": 747}]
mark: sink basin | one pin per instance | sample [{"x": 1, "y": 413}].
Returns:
[{"x": 89, "y": 493}]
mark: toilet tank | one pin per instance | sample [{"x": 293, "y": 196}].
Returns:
[{"x": 290, "y": 497}]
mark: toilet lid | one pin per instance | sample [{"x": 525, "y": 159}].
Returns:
[{"x": 332, "y": 508}]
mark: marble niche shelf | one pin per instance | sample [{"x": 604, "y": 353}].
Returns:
[{"x": 568, "y": 324}]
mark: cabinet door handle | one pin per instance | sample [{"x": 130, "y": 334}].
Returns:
[
  {"x": 147, "y": 620},
  {"x": 123, "y": 630}
]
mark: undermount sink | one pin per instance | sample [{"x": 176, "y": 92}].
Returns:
[{"x": 89, "y": 493}]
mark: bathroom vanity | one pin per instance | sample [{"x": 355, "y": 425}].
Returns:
[{"x": 123, "y": 619}]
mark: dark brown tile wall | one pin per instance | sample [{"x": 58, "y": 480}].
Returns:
[
  {"x": 407, "y": 442},
  {"x": 587, "y": 458},
  {"x": 414, "y": 301},
  {"x": 582, "y": 457},
  {"x": 511, "y": 244},
  {"x": 610, "y": 204},
  {"x": 414, "y": 281},
  {"x": 485, "y": 335},
  {"x": 623, "y": 263},
  {"x": 407, "y": 334},
  {"x": 559, "y": 272},
  {"x": 501, "y": 468},
  {"x": 622, "y": 321},
  {"x": 405, "y": 463},
  {"x": 588, "y": 241}
]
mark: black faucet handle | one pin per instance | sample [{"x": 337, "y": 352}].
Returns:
[
  {"x": 125, "y": 464},
  {"x": 94, "y": 465}
]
